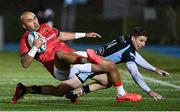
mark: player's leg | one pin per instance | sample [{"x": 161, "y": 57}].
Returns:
[
  {"x": 59, "y": 90},
  {"x": 74, "y": 58},
  {"x": 114, "y": 77},
  {"x": 112, "y": 72},
  {"x": 110, "y": 68},
  {"x": 101, "y": 82}
]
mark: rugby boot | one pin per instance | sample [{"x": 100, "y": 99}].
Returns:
[
  {"x": 133, "y": 97},
  {"x": 93, "y": 57},
  {"x": 73, "y": 97},
  {"x": 19, "y": 93}
]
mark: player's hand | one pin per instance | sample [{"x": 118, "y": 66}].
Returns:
[
  {"x": 39, "y": 40},
  {"x": 155, "y": 95},
  {"x": 92, "y": 34},
  {"x": 162, "y": 72}
]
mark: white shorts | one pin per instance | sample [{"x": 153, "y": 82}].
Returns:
[
  {"x": 60, "y": 74},
  {"x": 65, "y": 75}
]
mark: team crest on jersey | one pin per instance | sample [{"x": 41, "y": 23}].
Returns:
[{"x": 46, "y": 30}]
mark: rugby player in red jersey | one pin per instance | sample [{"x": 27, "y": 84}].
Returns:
[{"x": 58, "y": 57}]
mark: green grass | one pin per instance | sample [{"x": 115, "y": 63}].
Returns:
[{"x": 11, "y": 73}]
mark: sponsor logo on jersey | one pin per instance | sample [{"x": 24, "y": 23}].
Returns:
[
  {"x": 46, "y": 29},
  {"x": 112, "y": 43},
  {"x": 100, "y": 51}
]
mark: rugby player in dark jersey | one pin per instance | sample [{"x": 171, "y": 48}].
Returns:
[{"x": 120, "y": 50}]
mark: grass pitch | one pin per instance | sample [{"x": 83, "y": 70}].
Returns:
[{"x": 11, "y": 73}]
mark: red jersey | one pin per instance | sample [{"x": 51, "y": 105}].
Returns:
[{"x": 52, "y": 46}]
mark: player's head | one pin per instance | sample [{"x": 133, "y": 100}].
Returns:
[
  {"x": 29, "y": 21},
  {"x": 139, "y": 37}
]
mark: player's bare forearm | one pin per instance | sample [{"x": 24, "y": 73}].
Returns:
[
  {"x": 26, "y": 61},
  {"x": 71, "y": 36},
  {"x": 66, "y": 36}
]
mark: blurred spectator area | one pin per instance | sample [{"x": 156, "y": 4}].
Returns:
[{"x": 110, "y": 18}]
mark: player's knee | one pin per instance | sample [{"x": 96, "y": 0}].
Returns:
[
  {"x": 111, "y": 66},
  {"x": 106, "y": 84}
]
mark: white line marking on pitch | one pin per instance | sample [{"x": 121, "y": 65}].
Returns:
[
  {"x": 157, "y": 81},
  {"x": 162, "y": 82}
]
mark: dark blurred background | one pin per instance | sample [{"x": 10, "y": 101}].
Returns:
[{"x": 110, "y": 18}]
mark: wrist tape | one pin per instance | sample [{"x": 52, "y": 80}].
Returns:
[
  {"x": 79, "y": 35},
  {"x": 33, "y": 51}
]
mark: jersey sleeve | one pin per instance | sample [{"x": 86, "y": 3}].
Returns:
[
  {"x": 143, "y": 63},
  {"x": 136, "y": 75},
  {"x": 23, "y": 46}
]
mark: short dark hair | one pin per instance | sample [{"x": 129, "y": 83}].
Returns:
[{"x": 139, "y": 31}]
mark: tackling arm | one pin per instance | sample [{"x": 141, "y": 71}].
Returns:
[{"x": 71, "y": 36}]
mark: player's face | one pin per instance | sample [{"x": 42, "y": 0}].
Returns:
[
  {"x": 30, "y": 22},
  {"x": 139, "y": 42}
]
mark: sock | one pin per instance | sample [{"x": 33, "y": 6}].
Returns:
[
  {"x": 81, "y": 91},
  {"x": 85, "y": 89},
  {"x": 36, "y": 89},
  {"x": 119, "y": 87}
]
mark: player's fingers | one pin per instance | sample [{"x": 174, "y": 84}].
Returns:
[
  {"x": 43, "y": 40},
  {"x": 155, "y": 98},
  {"x": 162, "y": 74},
  {"x": 165, "y": 74},
  {"x": 160, "y": 97},
  {"x": 98, "y": 35}
]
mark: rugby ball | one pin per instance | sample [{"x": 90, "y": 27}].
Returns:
[{"x": 35, "y": 35}]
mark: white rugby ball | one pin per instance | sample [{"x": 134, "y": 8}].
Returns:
[{"x": 31, "y": 37}]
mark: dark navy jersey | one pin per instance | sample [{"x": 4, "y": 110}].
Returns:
[{"x": 118, "y": 50}]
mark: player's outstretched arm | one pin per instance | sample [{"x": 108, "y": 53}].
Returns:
[
  {"x": 71, "y": 36},
  {"x": 136, "y": 75},
  {"x": 143, "y": 63}
]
